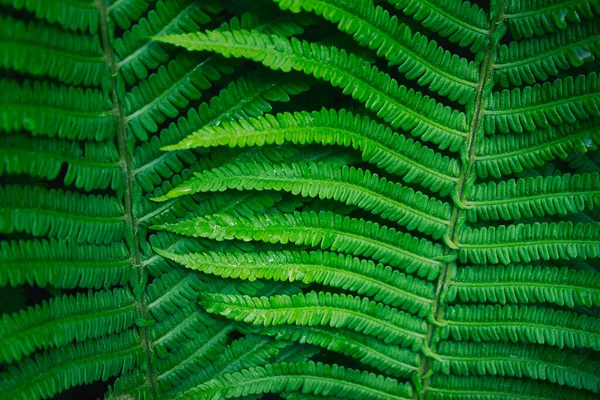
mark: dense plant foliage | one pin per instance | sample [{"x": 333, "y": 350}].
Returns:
[{"x": 299, "y": 199}]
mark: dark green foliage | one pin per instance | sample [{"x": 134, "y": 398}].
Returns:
[{"x": 299, "y": 199}]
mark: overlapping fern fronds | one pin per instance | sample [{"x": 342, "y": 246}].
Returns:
[{"x": 299, "y": 199}]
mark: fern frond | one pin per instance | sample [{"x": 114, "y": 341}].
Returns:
[
  {"x": 460, "y": 21},
  {"x": 535, "y": 362},
  {"x": 261, "y": 18},
  {"x": 41, "y": 50},
  {"x": 246, "y": 205},
  {"x": 63, "y": 264},
  {"x": 537, "y": 59},
  {"x": 249, "y": 96},
  {"x": 322, "y": 309},
  {"x": 247, "y": 352},
  {"x": 564, "y": 101},
  {"x": 539, "y": 17},
  {"x": 387, "y": 358},
  {"x": 53, "y": 372},
  {"x": 51, "y": 110},
  {"x": 522, "y": 284},
  {"x": 308, "y": 377},
  {"x": 530, "y": 242},
  {"x": 526, "y": 198},
  {"x": 192, "y": 355},
  {"x": 132, "y": 385},
  {"x": 188, "y": 75},
  {"x": 392, "y": 102},
  {"x": 138, "y": 54},
  {"x": 378, "y": 145},
  {"x": 324, "y": 230},
  {"x": 75, "y": 16},
  {"x": 488, "y": 388},
  {"x": 96, "y": 166},
  {"x": 169, "y": 89},
  {"x": 484, "y": 284},
  {"x": 64, "y": 319},
  {"x": 304, "y": 396},
  {"x": 521, "y": 324},
  {"x": 187, "y": 323},
  {"x": 172, "y": 291},
  {"x": 363, "y": 277},
  {"x": 416, "y": 57},
  {"x": 500, "y": 155},
  {"x": 348, "y": 185},
  {"x": 125, "y": 12},
  {"x": 61, "y": 214}
]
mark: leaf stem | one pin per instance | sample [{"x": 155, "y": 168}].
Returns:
[
  {"x": 125, "y": 163},
  {"x": 458, "y": 218}
]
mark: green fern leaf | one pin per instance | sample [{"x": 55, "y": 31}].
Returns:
[
  {"x": 521, "y": 324},
  {"x": 38, "y": 49},
  {"x": 323, "y": 309},
  {"x": 75, "y": 16},
  {"x": 420, "y": 114},
  {"x": 361, "y": 199},
  {"x": 379, "y": 282},
  {"x": 535, "y": 362},
  {"x": 479, "y": 388},
  {"x": 415, "y": 56},
  {"x": 324, "y": 230},
  {"x": 522, "y": 284},
  {"x": 59, "y": 111},
  {"x": 526, "y": 198},
  {"x": 75, "y": 317},
  {"x": 564, "y": 101},
  {"x": 309, "y": 377},
  {"x": 538, "y": 17},
  {"x": 461, "y": 22},
  {"x": 61, "y": 215},
  {"x": 351, "y": 186},
  {"x": 514, "y": 153},
  {"x": 527, "y": 242},
  {"x": 527, "y": 61},
  {"x": 395, "y": 153},
  {"x": 385, "y": 357}
]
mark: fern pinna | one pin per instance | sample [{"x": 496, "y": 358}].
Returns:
[{"x": 299, "y": 199}]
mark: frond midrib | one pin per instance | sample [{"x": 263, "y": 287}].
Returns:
[
  {"x": 126, "y": 165},
  {"x": 478, "y": 113}
]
